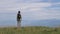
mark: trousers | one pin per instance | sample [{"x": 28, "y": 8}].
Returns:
[{"x": 18, "y": 24}]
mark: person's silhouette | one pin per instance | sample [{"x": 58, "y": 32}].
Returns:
[{"x": 18, "y": 19}]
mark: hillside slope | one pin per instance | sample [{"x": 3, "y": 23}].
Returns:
[{"x": 29, "y": 30}]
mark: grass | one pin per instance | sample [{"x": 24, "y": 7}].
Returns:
[{"x": 29, "y": 30}]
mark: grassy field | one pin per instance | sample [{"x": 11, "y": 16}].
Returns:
[{"x": 29, "y": 30}]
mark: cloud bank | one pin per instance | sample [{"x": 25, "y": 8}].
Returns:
[{"x": 32, "y": 9}]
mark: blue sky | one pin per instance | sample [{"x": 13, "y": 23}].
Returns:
[{"x": 32, "y": 9}]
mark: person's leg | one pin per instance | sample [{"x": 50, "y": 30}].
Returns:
[{"x": 18, "y": 24}]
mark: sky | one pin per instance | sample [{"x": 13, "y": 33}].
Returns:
[{"x": 32, "y": 9}]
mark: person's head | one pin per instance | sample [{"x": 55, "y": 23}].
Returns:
[{"x": 18, "y": 11}]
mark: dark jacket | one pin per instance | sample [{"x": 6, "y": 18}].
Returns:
[{"x": 18, "y": 17}]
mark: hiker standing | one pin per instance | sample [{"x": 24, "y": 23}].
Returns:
[{"x": 18, "y": 19}]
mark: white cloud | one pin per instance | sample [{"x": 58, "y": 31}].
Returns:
[
  {"x": 43, "y": 14},
  {"x": 31, "y": 10},
  {"x": 35, "y": 6},
  {"x": 28, "y": 1}
]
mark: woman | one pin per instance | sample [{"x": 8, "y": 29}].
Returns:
[{"x": 18, "y": 19}]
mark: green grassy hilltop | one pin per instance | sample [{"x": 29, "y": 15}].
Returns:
[{"x": 29, "y": 30}]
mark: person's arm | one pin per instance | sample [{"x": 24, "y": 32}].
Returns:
[
  {"x": 17, "y": 17},
  {"x": 20, "y": 17}
]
